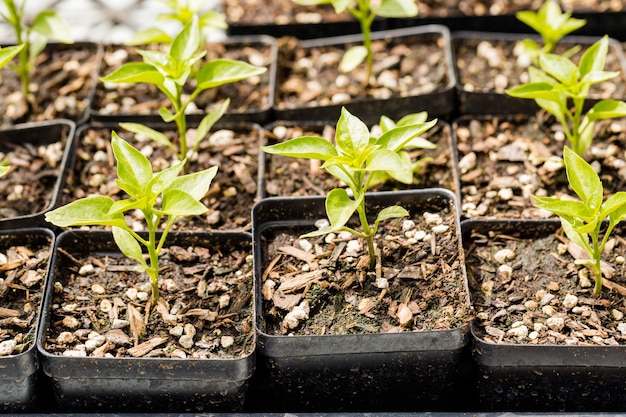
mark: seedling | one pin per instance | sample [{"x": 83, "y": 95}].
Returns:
[
  {"x": 552, "y": 25},
  {"x": 170, "y": 72},
  {"x": 365, "y": 11},
  {"x": 582, "y": 220},
  {"x": 33, "y": 39},
  {"x": 356, "y": 159},
  {"x": 162, "y": 197},
  {"x": 559, "y": 81},
  {"x": 181, "y": 11}
]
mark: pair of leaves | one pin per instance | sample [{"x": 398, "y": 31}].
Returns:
[{"x": 582, "y": 218}]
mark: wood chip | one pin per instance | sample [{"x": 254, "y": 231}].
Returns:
[
  {"x": 304, "y": 256},
  {"x": 145, "y": 348},
  {"x": 8, "y": 312},
  {"x": 137, "y": 325},
  {"x": 296, "y": 282}
]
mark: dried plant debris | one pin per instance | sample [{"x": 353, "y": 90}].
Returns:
[
  {"x": 22, "y": 276},
  {"x": 323, "y": 285},
  {"x": 530, "y": 291},
  {"x": 102, "y": 308}
]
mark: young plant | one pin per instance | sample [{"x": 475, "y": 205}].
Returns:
[
  {"x": 181, "y": 11},
  {"x": 551, "y": 24},
  {"x": 162, "y": 197},
  {"x": 365, "y": 11},
  {"x": 33, "y": 39},
  {"x": 356, "y": 159},
  {"x": 582, "y": 220},
  {"x": 558, "y": 82},
  {"x": 171, "y": 71}
]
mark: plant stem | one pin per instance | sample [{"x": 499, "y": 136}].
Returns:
[
  {"x": 153, "y": 270},
  {"x": 578, "y": 110}
]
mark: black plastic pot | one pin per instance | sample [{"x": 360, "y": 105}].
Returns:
[
  {"x": 438, "y": 103},
  {"x": 126, "y": 384},
  {"x": 52, "y": 178},
  {"x": 354, "y": 372},
  {"x": 248, "y": 114},
  {"x": 486, "y": 100},
  {"x": 543, "y": 377},
  {"x": 20, "y": 388}
]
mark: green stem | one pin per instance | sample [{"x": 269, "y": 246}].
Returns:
[
  {"x": 153, "y": 252},
  {"x": 181, "y": 124},
  {"x": 576, "y": 142}
]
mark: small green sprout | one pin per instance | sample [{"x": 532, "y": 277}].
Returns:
[
  {"x": 33, "y": 39},
  {"x": 559, "y": 81},
  {"x": 356, "y": 159},
  {"x": 162, "y": 197},
  {"x": 365, "y": 11},
  {"x": 582, "y": 220},
  {"x": 4, "y": 168},
  {"x": 170, "y": 72},
  {"x": 182, "y": 11},
  {"x": 551, "y": 24}
]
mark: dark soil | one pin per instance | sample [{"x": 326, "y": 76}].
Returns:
[
  {"x": 406, "y": 66},
  {"x": 285, "y": 176},
  {"x": 62, "y": 85},
  {"x": 505, "y": 160},
  {"x": 280, "y": 12},
  {"x": 232, "y": 192},
  {"x": 425, "y": 288},
  {"x": 541, "y": 288},
  {"x": 22, "y": 274},
  {"x": 205, "y": 309},
  {"x": 143, "y": 99}
]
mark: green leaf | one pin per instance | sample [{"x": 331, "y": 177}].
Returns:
[
  {"x": 148, "y": 36},
  {"x": 340, "y": 6},
  {"x": 413, "y": 119},
  {"x": 615, "y": 203},
  {"x": 569, "y": 209},
  {"x": 404, "y": 172},
  {"x": 311, "y": 147},
  {"x": 393, "y": 212},
  {"x": 128, "y": 245},
  {"x": 179, "y": 203},
  {"x": 187, "y": 42},
  {"x": 123, "y": 206},
  {"x": 352, "y": 58},
  {"x": 163, "y": 180},
  {"x": 401, "y": 136},
  {"x": 196, "y": 184},
  {"x": 135, "y": 72},
  {"x": 224, "y": 71},
  {"x": 386, "y": 123},
  {"x": 49, "y": 24},
  {"x": 311, "y": 2},
  {"x": 395, "y": 8},
  {"x": 86, "y": 212},
  {"x": 594, "y": 58},
  {"x": 9, "y": 52},
  {"x": 583, "y": 179},
  {"x": 580, "y": 239},
  {"x": 561, "y": 68},
  {"x": 352, "y": 135},
  {"x": 607, "y": 109},
  {"x": 383, "y": 160},
  {"x": 149, "y": 132},
  {"x": 339, "y": 208},
  {"x": 595, "y": 77},
  {"x": 207, "y": 122},
  {"x": 134, "y": 170},
  {"x": 534, "y": 90}
]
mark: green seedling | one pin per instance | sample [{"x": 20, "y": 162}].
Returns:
[
  {"x": 33, "y": 39},
  {"x": 559, "y": 82},
  {"x": 356, "y": 159},
  {"x": 170, "y": 72},
  {"x": 552, "y": 25},
  {"x": 181, "y": 11},
  {"x": 365, "y": 11},
  {"x": 583, "y": 219},
  {"x": 4, "y": 168},
  {"x": 162, "y": 197}
]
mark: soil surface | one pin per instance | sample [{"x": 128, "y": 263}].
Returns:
[
  {"x": 61, "y": 85},
  {"x": 250, "y": 95},
  {"x": 284, "y": 176},
  {"x": 405, "y": 66},
  {"x": 324, "y": 285},
  {"x": 231, "y": 195},
  {"x": 30, "y": 185},
  {"x": 505, "y": 160},
  {"x": 22, "y": 276},
  {"x": 102, "y": 306},
  {"x": 529, "y": 290},
  {"x": 492, "y": 64},
  {"x": 280, "y": 12}
]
